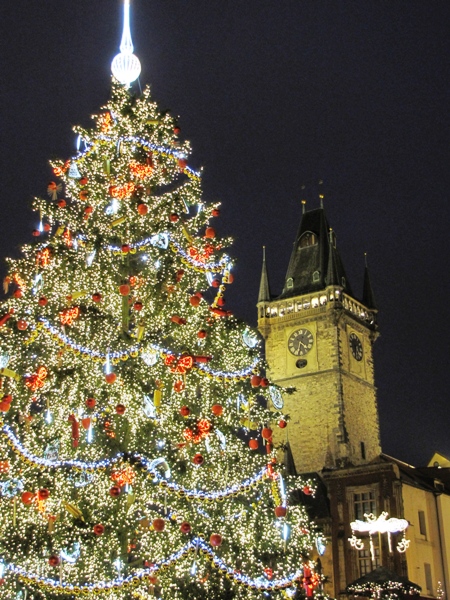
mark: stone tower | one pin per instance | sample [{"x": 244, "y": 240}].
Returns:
[{"x": 319, "y": 340}]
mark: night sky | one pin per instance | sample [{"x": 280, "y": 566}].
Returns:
[{"x": 274, "y": 95}]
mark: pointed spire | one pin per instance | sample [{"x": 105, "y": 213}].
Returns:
[
  {"x": 264, "y": 288},
  {"x": 126, "y": 67},
  {"x": 368, "y": 295},
  {"x": 332, "y": 270},
  {"x": 288, "y": 461}
]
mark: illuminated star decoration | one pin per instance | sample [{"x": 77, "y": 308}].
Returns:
[
  {"x": 379, "y": 524},
  {"x": 126, "y": 67}
]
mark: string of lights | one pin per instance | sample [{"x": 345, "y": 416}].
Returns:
[{"x": 196, "y": 544}]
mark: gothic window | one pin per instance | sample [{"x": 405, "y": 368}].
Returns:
[
  {"x": 316, "y": 276},
  {"x": 290, "y": 283},
  {"x": 365, "y": 503},
  {"x": 307, "y": 239}
]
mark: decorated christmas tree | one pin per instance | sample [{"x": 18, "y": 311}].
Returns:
[{"x": 135, "y": 439}]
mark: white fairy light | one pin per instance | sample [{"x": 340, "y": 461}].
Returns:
[{"x": 126, "y": 67}]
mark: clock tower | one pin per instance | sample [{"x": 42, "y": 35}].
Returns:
[{"x": 319, "y": 340}]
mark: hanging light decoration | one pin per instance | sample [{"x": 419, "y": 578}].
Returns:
[{"x": 125, "y": 66}]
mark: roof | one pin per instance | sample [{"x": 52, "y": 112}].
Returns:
[
  {"x": 315, "y": 262},
  {"x": 427, "y": 478}
]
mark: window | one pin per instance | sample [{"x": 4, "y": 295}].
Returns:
[
  {"x": 363, "y": 451},
  {"x": 307, "y": 239},
  {"x": 364, "y": 503},
  {"x": 316, "y": 276},
  {"x": 343, "y": 281},
  {"x": 290, "y": 283},
  {"x": 428, "y": 580},
  {"x": 366, "y": 564},
  {"x": 422, "y": 523}
]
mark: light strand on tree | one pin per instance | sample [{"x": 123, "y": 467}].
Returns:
[{"x": 260, "y": 583}]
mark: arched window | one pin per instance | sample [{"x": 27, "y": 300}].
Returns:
[{"x": 308, "y": 239}]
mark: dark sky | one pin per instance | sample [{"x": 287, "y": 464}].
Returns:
[{"x": 274, "y": 95}]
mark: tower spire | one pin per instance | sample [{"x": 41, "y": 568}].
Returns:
[
  {"x": 368, "y": 295},
  {"x": 264, "y": 288},
  {"x": 126, "y": 67}
]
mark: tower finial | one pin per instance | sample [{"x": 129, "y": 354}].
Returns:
[
  {"x": 365, "y": 259},
  {"x": 303, "y": 206},
  {"x": 126, "y": 67}
]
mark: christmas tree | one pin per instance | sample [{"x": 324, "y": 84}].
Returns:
[{"x": 135, "y": 438}]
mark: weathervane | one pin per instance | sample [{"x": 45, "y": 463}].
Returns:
[
  {"x": 126, "y": 66},
  {"x": 379, "y": 525}
]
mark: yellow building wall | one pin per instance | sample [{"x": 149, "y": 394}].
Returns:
[{"x": 426, "y": 548}]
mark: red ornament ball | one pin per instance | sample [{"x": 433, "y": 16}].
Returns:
[
  {"x": 124, "y": 290},
  {"x": 216, "y": 283},
  {"x": 185, "y": 411},
  {"x": 265, "y": 382},
  {"x": 22, "y": 325},
  {"x": 43, "y": 494},
  {"x": 142, "y": 209},
  {"x": 194, "y": 300},
  {"x": 7, "y": 399},
  {"x": 215, "y": 212},
  {"x": 215, "y": 540},
  {"x": 99, "y": 529},
  {"x": 125, "y": 250},
  {"x": 53, "y": 560},
  {"x": 253, "y": 444},
  {"x": 217, "y": 409},
  {"x": 174, "y": 217},
  {"x": 198, "y": 459},
  {"x": 47, "y": 227},
  {"x": 27, "y": 498},
  {"x": 230, "y": 278},
  {"x": 179, "y": 275},
  {"x": 35, "y": 233},
  {"x": 185, "y": 527},
  {"x": 177, "y": 130},
  {"x": 88, "y": 210},
  {"x": 114, "y": 491},
  {"x": 120, "y": 409},
  {"x": 42, "y": 301},
  {"x": 91, "y": 402},
  {"x": 280, "y": 511},
  {"x": 182, "y": 163},
  {"x": 210, "y": 233},
  {"x": 4, "y": 406},
  {"x": 255, "y": 381},
  {"x": 96, "y": 297},
  {"x": 138, "y": 306},
  {"x": 62, "y": 203},
  {"x": 221, "y": 301},
  {"x": 159, "y": 524},
  {"x": 110, "y": 377},
  {"x": 282, "y": 424},
  {"x": 17, "y": 293},
  {"x": 307, "y": 490},
  {"x": 83, "y": 181},
  {"x": 201, "y": 334},
  {"x": 266, "y": 433}
]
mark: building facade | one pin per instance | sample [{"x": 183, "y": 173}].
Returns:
[{"x": 319, "y": 339}]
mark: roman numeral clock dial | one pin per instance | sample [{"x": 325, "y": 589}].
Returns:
[
  {"x": 355, "y": 346},
  {"x": 300, "y": 342}
]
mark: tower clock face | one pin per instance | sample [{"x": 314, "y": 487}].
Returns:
[
  {"x": 300, "y": 342},
  {"x": 356, "y": 346}
]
